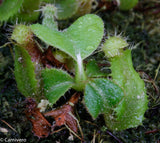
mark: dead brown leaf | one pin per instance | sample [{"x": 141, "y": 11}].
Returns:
[
  {"x": 65, "y": 114},
  {"x": 46, "y": 58},
  {"x": 41, "y": 127}
]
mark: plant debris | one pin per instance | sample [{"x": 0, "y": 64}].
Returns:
[
  {"x": 41, "y": 127},
  {"x": 65, "y": 114},
  {"x": 46, "y": 57}
]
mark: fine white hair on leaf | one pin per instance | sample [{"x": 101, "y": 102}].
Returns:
[
  {"x": 134, "y": 46},
  {"x": 115, "y": 32},
  {"x": 38, "y": 10}
]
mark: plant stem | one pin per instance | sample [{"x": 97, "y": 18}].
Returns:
[{"x": 80, "y": 76}]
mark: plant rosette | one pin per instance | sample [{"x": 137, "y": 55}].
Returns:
[{"x": 101, "y": 95}]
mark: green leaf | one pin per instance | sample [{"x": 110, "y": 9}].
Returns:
[
  {"x": 83, "y": 36},
  {"x": 130, "y": 112},
  {"x": 53, "y": 38},
  {"x": 66, "y": 8},
  {"x": 25, "y": 72},
  {"x": 28, "y": 11},
  {"x": 101, "y": 96},
  {"x": 127, "y": 4},
  {"x": 8, "y": 8},
  {"x": 56, "y": 83},
  {"x": 92, "y": 70}
]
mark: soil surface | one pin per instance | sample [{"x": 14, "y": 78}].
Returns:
[{"x": 142, "y": 27}]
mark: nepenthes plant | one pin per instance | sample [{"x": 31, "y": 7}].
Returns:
[{"x": 120, "y": 96}]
